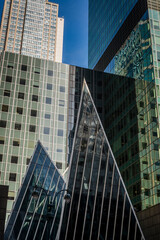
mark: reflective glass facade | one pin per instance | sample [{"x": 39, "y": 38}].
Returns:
[
  {"x": 31, "y": 218},
  {"x": 30, "y": 28},
  {"x": 135, "y": 49},
  {"x": 33, "y": 105},
  {"x": 100, "y": 207}
]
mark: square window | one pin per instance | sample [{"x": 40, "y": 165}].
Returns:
[
  {"x": 59, "y": 165},
  {"x": 17, "y": 126},
  {"x": 61, "y": 117},
  {"x": 15, "y": 143},
  {"x": 4, "y": 108},
  {"x": 155, "y": 134},
  {"x": 50, "y": 73},
  {"x": 32, "y": 128},
  {"x": 14, "y": 159},
  {"x": 10, "y": 65},
  {"x": 8, "y": 79},
  {"x": 1, "y": 157},
  {"x": 1, "y": 141},
  {"x": 19, "y": 110},
  {"x": 33, "y": 113},
  {"x": 62, "y": 89},
  {"x": 46, "y": 130},
  {"x": 47, "y": 116},
  {"x": 21, "y": 95},
  {"x": 24, "y": 68},
  {"x": 49, "y": 86},
  {"x": 35, "y": 98},
  {"x": 61, "y": 103},
  {"x": 22, "y": 81},
  {"x": 7, "y": 93},
  {"x": 27, "y": 161},
  {"x": 146, "y": 176},
  {"x": 12, "y": 177},
  {"x": 60, "y": 133},
  {"x": 3, "y": 124},
  {"x": 48, "y": 100}
]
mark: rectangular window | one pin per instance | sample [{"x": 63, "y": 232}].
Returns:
[
  {"x": 61, "y": 103},
  {"x": 37, "y": 70},
  {"x": 158, "y": 192},
  {"x": 1, "y": 157},
  {"x": 4, "y": 108},
  {"x": 48, "y": 100},
  {"x": 14, "y": 159},
  {"x": 35, "y": 98},
  {"x": 32, "y": 128},
  {"x": 147, "y": 192},
  {"x": 12, "y": 177},
  {"x": 17, "y": 126},
  {"x": 10, "y": 65},
  {"x": 21, "y": 95},
  {"x": 15, "y": 143},
  {"x": 60, "y": 133},
  {"x": 33, "y": 113},
  {"x": 3, "y": 124},
  {"x": 50, "y": 73},
  {"x": 8, "y": 79},
  {"x": 62, "y": 89},
  {"x": 22, "y": 81},
  {"x": 155, "y": 147},
  {"x": 61, "y": 117},
  {"x": 24, "y": 68},
  {"x": 49, "y": 86},
  {"x": 47, "y": 116},
  {"x": 7, "y": 93},
  {"x": 1, "y": 141},
  {"x": 59, "y": 150},
  {"x": 19, "y": 110},
  {"x": 46, "y": 130},
  {"x": 158, "y": 177},
  {"x": 155, "y": 134},
  {"x": 27, "y": 161}
]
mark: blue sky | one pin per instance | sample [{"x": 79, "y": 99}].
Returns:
[{"x": 75, "y": 45}]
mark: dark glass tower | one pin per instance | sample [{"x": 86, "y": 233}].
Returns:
[
  {"x": 128, "y": 43},
  {"x": 100, "y": 207}
]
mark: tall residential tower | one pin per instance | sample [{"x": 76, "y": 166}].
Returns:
[{"x": 32, "y": 28}]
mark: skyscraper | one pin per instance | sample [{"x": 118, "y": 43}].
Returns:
[
  {"x": 124, "y": 38},
  {"x": 32, "y": 28}
]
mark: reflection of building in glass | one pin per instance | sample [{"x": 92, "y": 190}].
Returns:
[
  {"x": 100, "y": 207},
  {"x": 32, "y": 27},
  {"x": 132, "y": 48},
  {"x": 31, "y": 217}
]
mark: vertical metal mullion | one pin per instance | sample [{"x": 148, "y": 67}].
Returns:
[
  {"x": 129, "y": 222},
  {"x": 88, "y": 194},
  {"x": 110, "y": 199},
  {"x": 135, "y": 231},
  {"x": 95, "y": 199},
  {"x": 103, "y": 194},
  {"x": 30, "y": 201},
  {"x": 43, "y": 205},
  {"x": 81, "y": 188},
  {"x": 23, "y": 196},
  {"x": 124, "y": 202},
  {"x": 119, "y": 183}
]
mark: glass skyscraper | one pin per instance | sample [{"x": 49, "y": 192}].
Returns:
[
  {"x": 32, "y": 27},
  {"x": 128, "y": 44},
  {"x": 31, "y": 217},
  {"x": 99, "y": 206}
]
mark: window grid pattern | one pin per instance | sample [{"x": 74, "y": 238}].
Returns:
[{"x": 19, "y": 112}]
